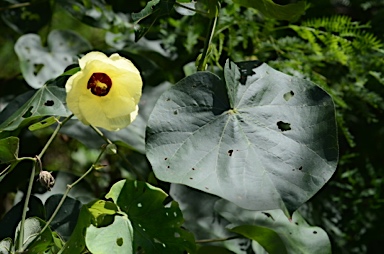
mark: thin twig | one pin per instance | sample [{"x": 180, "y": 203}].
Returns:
[
  {"x": 53, "y": 136},
  {"x": 14, "y": 6},
  {"x": 207, "y": 43},
  {"x": 107, "y": 140},
  {"x": 217, "y": 239}
]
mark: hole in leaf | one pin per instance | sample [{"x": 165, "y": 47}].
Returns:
[
  {"x": 193, "y": 168},
  {"x": 268, "y": 215},
  {"x": 296, "y": 223},
  {"x": 230, "y": 152},
  {"x": 283, "y": 126},
  {"x": 175, "y": 112},
  {"x": 165, "y": 159},
  {"x": 300, "y": 168},
  {"x": 289, "y": 95},
  {"x": 119, "y": 241},
  {"x": 168, "y": 99},
  {"x": 167, "y": 166},
  {"x": 37, "y": 68},
  {"x": 191, "y": 178},
  {"x": 49, "y": 103},
  {"x": 315, "y": 232},
  {"x": 28, "y": 113}
]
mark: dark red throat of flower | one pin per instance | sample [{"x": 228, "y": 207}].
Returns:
[{"x": 100, "y": 84}]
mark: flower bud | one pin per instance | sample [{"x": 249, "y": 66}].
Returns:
[{"x": 46, "y": 179}]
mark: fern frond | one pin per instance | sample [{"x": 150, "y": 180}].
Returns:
[{"x": 338, "y": 37}]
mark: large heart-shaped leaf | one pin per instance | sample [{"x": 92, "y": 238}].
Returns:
[
  {"x": 272, "y": 230},
  {"x": 156, "y": 229},
  {"x": 39, "y": 64},
  {"x": 261, "y": 139}
]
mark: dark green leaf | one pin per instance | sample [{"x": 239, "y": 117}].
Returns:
[
  {"x": 266, "y": 237},
  {"x": 151, "y": 12},
  {"x": 9, "y": 150},
  {"x": 65, "y": 220},
  {"x": 39, "y": 64},
  {"x": 27, "y": 19},
  {"x": 9, "y": 222},
  {"x": 202, "y": 220},
  {"x": 224, "y": 138},
  {"x": 47, "y": 101},
  {"x": 115, "y": 238},
  {"x": 157, "y": 229},
  {"x": 290, "y": 12},
  {"x": 76, "y": 243},
  {"x": 295, "y": 235}
]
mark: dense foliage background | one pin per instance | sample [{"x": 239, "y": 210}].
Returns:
[{"x": 336, "y": 44}]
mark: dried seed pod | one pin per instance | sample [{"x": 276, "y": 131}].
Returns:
[{"x": 46, "y": 179}]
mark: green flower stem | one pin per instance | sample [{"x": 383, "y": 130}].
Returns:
[
  {"x": 207, "y": 43},
  {"x": 69, "y": 187},
  {"x": 25, "y": 208},
  {"x": 53, "y": 136},
  {"x": 107, "y": 140}
]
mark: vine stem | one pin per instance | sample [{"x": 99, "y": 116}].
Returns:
[
  {"x": 31, "y": 180},
  {"x": 69, "y": 187},
  {"x": 107, "y": 140},
  {"x": 207, "y": 43},
  {"x": 25, "y": 208}
]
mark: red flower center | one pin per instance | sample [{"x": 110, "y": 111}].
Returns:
[{"x": 100, "y": 84}]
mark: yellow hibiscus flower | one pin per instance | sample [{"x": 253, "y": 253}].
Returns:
[{"x": 105, "y": 92}]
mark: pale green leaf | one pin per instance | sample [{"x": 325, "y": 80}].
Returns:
[{"x": 242, "y": 140}]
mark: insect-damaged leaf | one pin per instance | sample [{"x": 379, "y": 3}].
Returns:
[{"x": 241, "y": 139}]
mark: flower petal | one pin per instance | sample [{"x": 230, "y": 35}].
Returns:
[
  {"x": 91, "y": 56},
  {"x": 113, "y": 110}
]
